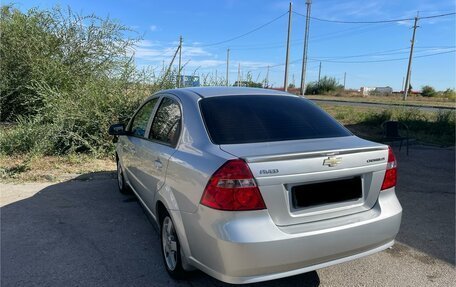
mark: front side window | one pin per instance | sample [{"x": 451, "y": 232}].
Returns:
[
  {"x": 139, "y": 123},
  {"x": 167, "y": 123}
]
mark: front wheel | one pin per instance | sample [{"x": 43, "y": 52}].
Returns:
[
  {"x": 171, "y": 249},
  {"x": 123, "y": 188}
]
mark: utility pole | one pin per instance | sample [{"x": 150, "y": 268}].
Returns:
[
  {"x": 319, "y": 73},
  {"x": 216, "y": 77},
  {"x": 409, "y": 67},
  {"x": 267, "y": 77},
  {"x": 306, "y": 42},
  {"x": 165, "y": 76},
  {"x": 239, "y": 75},
  {"x": 345, "y": 77},
  {"x": 227, "y": 65},
  {"x": 285, "y": 81},
  {"x": 180, "y": 62}
]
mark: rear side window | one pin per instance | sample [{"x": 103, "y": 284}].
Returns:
[
  {"x": 167, "y": 123},
  {"x": 256, "y": 118},
  {"x": 139, "y": 123}
]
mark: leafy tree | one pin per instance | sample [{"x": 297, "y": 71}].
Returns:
[
  {"x": 324, "y": 86},
  {"x": 68, "y": 76},
  {"x": 449, "y": 93},
  {"x": 428, "y": 91}
]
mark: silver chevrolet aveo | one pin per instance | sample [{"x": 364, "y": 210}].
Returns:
[{"x": 250, "y": 185}]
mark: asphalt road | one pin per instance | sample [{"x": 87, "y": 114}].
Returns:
[
  {"x": 85, "y": 233},
  {"x": 381, "y": 105}
]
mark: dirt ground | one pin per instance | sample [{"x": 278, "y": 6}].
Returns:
[
  {"x": 83, "y": 232},
  {"x": 22, "y": 169}
]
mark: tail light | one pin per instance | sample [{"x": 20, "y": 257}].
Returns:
[
  {"x": 391, "y": 171},
  {"x": 232, "y": 187}
]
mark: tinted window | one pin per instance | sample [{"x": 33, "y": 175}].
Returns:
[
  {"x": 248, "y": 119},
  {"x": 167, "y": 122},
  {"x": 139, "y": 123}
]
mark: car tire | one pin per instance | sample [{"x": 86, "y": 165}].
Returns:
[
  {"x": 170, "y": 248},
  {"x": 123, "y": 187}
]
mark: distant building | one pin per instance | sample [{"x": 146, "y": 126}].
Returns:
[
  {"x": 383, "y": 90},
  {"x": 366, "y": 91}
]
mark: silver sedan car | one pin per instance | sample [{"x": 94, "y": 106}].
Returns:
[{"x": 250, "y": 185}]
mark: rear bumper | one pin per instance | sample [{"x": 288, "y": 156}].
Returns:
[{"x": 246, "y": 247}]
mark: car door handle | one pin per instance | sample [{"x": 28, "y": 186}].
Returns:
[{"x": 158, "y": 164}]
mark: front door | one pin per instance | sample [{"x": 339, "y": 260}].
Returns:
[{"x": 133, "y": 145}]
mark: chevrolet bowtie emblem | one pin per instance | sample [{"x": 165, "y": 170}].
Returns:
[{"x": 332, "y": 161}]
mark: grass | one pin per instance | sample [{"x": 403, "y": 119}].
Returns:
[
  {"x": 436, "y": 128},
  {"x": 17, "y": 169},
  {"x": 395, "y": 99}
]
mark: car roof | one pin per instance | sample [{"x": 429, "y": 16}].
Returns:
[{"x": 206, "y": 92}]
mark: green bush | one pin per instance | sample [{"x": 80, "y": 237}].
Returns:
[
  {"x": 409, "y": 115},
  {"x": 449, "y": 94},
  {"x": 64, "y": 78},
  {"x": 430, "y": 127},
  {"x": 324, "y": 86},
  {"x": 428, "y": 91},
  {"x": 248, "y": 82},
  {"x": 28, "y": 136}
]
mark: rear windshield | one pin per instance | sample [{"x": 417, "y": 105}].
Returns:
[{"x": 257, "y": 118}]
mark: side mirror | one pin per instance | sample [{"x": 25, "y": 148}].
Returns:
[{"x": 117, "y": 130}]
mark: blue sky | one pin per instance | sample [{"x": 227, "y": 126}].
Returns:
[{"x": 339, "y": 46}]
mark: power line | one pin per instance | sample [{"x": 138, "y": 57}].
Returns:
[
  {"x": 435, "y": 16},
  {"x": 355, "y": 30},
  {"x": 434, "y": 47},
  {"x": 374, "y": 22},
  {"x": 355, "y": 22},
  {"x": 361, "y": 22},
  {"x": 383, "y": 60},
  {"x": 388, "y": 52},
  {"x": 344, "y": 31},
  {"x": 246, "y": 33},
  {"x": 318, "y": 38},
  {"x": 331, "y": 59},
  {"x": 380, "y": 53}
]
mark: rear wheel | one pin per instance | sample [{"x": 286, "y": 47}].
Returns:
[
  {"x": 171, "y": 248},
  {"x": 123, "y": 188}
]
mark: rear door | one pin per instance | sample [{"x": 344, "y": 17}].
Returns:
[{"x": 161, "y": 143}]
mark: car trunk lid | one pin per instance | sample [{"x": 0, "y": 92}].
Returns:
[{"x": 315, "y": 179}]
